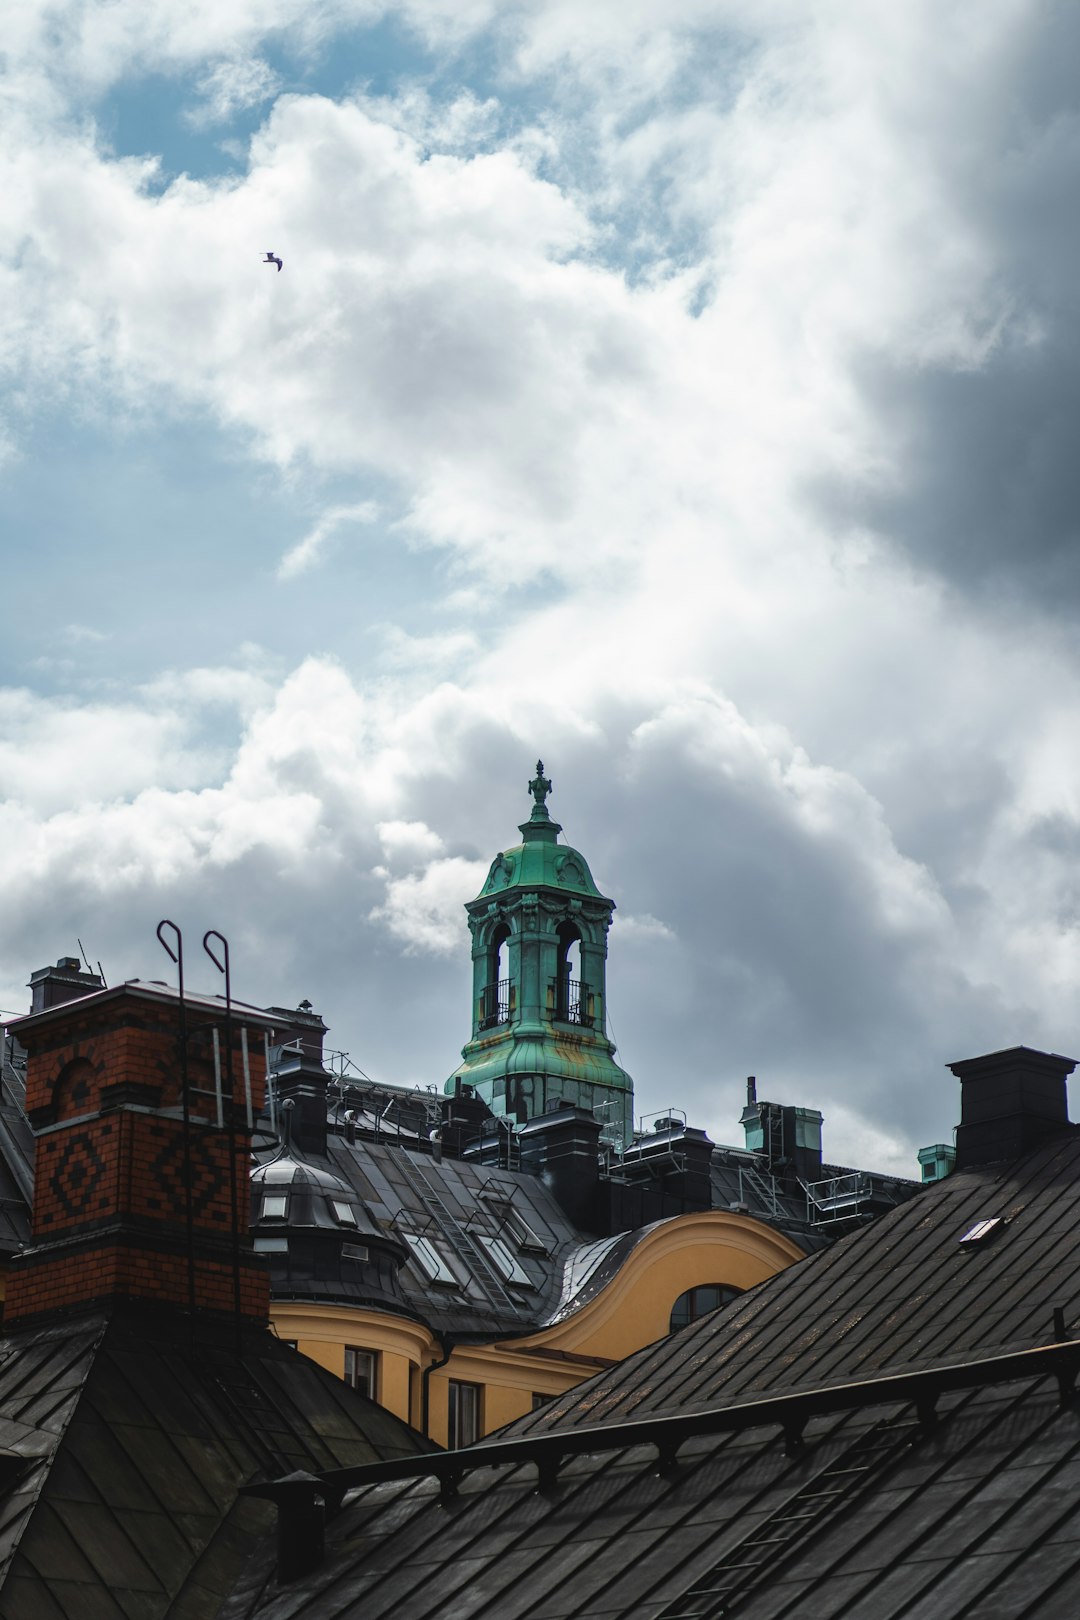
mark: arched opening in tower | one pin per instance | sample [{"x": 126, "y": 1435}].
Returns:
[
  {"x": 495, "y": 996},
  {"x": 570, "y": 993}
]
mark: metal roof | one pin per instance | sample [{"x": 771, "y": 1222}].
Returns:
[
  {"x": 152, "y": 990},
  {"x": 950, "y": 1489},
  {"x": 122, "y": 1448},
  {"x": 455, "y": 1203}
]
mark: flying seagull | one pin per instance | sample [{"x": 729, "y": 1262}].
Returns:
[{"x": 272, "y": 258}]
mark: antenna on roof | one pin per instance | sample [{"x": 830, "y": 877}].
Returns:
[{"x": 86, "y": 959}]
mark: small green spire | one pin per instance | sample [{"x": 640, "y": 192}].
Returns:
[{"x": 540, "y": 787}]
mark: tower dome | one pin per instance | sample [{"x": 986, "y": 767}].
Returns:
[{"x": 539, "y": 931}]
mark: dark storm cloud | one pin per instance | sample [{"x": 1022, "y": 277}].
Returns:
[
  {"x": 785, "y": 966},
  {"x": 985, "y": 444},
  {"x": 990, "y": 490}
]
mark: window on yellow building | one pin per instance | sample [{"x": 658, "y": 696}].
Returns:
[
  {"x": 700, "y": 1301},
  {"x": 463, "y": 1427},
  {"x": 361, "y": 1371}
]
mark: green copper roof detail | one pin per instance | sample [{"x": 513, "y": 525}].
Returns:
[
  {"x": 539, "y": 931},
  {"x": 540, "y": 861}
]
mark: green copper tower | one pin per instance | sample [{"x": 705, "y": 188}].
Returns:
[{"x": 539, "y": 944}]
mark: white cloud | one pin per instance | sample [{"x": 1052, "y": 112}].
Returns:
[
  {"x": 409, "y": 841},
  {"x": 642, "y": 930},
  {"x": 312, "y": 548},
  {"x": 452, "y": 650},
  {"x": 76, "y": 633},
  {"x": 233, "y": 86},
  {"x": 424, "y": 910},
  {"x": 457, "y": 124},
  {"x": 601, "y": 362}
]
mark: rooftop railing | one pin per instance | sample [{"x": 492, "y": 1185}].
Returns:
[
  {"x": 572, "y": 1002},
  {"x": 495, "y": 1004}
]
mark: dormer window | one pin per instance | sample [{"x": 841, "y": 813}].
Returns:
[
  {"x": 343, "y": 1213},
  {"x": 274, "y": 1206}
]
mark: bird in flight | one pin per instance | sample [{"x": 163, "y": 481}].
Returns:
[{"x": 272, "y": 258}]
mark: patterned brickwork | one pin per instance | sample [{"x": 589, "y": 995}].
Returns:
[
  {"x": 42, "y": 1282},
  {"x": 111, "y": 1202}
]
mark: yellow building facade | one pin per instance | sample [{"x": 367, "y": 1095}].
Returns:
[{"x": 414, "y": 1378}]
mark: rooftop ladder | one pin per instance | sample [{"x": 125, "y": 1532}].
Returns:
[
  {"x": 763, "y": 1189},
  {"x": 264, "y": 1426},
  {"x": 461, "y": 1240},
  {"x": 758, "y": 1556}
]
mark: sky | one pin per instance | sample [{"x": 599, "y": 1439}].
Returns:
[{"x": 685, "y": 393}]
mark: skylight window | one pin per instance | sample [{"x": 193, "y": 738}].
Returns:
[
  {"x": 274, "y": 1206},
  {"x": 514, "y": 1224},
  {"x": 345, "y": 1213},
  {"x": 433, "y": 1265},
  {"x": 982, "y": 1231},
  {"x": 506, "y": 1264}
]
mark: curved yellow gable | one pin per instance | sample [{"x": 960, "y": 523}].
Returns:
[{"x": 634, "y": 1308}]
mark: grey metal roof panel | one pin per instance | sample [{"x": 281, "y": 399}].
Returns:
[
  {"x": 978, "y": 1516},
  {"x": 142, "y": 1441},
  {"x": 986, "y": 1501},
  {"x": 902, "y": 1292},
  {"x": 450, "y": 1202}
]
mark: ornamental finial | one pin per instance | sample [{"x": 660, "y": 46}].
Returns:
[{"x": 540, "y": 787}]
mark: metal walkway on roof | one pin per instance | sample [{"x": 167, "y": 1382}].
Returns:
[{"x": 758, "y": 1556}]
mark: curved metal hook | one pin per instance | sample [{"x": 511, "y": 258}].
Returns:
[
  {"x": 167, "y": 922},
  {"x": 222, "y": 967}
]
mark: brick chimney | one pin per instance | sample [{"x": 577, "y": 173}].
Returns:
[
  {"x": 1010, "y": 1102},
  {"x": 112, "y": 1217}
]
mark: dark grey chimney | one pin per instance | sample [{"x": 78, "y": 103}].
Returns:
[
  {"x": 563, "y": 1148},
  {"x": 464, "y": 1116},
  {"x": 1010, "y": 1102},
  {"x": 50, "y": 986},
  {"x": 303, "y": 1081},
  {"x": 680, "y": 1159},
  {"x": 301, "y": 1025},
  {"x": 298, "y": 1072}
]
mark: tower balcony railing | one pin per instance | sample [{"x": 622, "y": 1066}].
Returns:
[
  {"x": 495, "y": 1003},
  {"x": 572, "y": 1002}
]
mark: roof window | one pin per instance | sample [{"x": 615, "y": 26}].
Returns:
[
  {"x": 344, "y": 1213},
  {"x": 506, "y": 1263},
  {"x": 513, "y": 1222},
  {"x": 983, "y": 1231},
  {"x": 433, "y": 1265},
  {"x": 274, "y": 1206}
]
